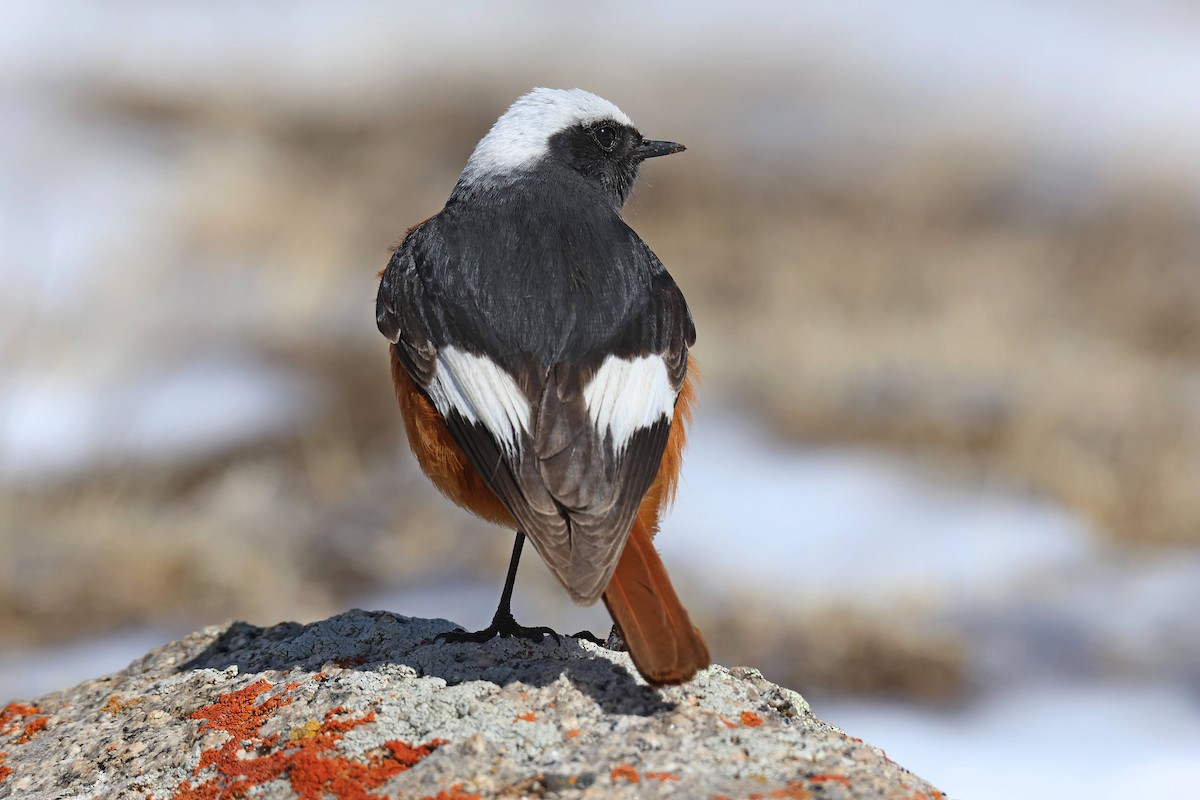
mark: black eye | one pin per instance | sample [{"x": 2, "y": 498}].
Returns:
[{"x": 605, "y": 136}]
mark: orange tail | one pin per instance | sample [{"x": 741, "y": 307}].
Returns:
[{"x": 666, "y": 648}]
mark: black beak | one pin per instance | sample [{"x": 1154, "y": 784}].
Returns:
[{"x": 652, "y": 149}]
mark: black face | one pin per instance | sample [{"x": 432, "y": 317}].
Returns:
[{"x": 606, "y": 152}]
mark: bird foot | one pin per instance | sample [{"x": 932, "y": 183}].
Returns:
[
  {"x": 589, "y": 636},
  {"x": 504, "y": 626}
]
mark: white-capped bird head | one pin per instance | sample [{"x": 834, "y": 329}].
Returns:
[{"x": 550, "y": 130}]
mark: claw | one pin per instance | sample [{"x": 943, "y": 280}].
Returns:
[
  {"x": 503, "y": 626},
  {"x": 589, "y": 636}
]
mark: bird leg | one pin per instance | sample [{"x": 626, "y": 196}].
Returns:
[{"x": 503, "y": 623}]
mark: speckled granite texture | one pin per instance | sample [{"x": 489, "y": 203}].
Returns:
[{"x": 365, "y": 705}]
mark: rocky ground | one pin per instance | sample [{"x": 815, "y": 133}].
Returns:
[{"x": 365, "y": 705}]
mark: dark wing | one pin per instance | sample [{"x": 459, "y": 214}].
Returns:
[
  {"x": 602, "y": 426},
  {"x": 487, "y": 408},
  {"x": 570, "y": 448}
]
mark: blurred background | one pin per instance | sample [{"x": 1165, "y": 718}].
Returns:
[{"x": 944, "y": 260}]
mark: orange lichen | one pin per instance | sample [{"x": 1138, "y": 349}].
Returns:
[
  {"x": 115, "y": 704},
  {"x": 453, "y": 793},
  {"x": 627, "y": 773},
  {"x": 571, "y": 734},
  {"x": 793, "y": 791},
  {"x": 308, "y": 759},
  {"x": 11, "y": 721},
  {"x": 20, "y": 721},
  {"x": 624, "y": 772},
  {"x": 796, "y": 790},
  {"x": 748, "y": 719},
  {"x": 660, "y": 776},
  {"x": 31, "y": 728},
  {"x": 528, "y": 716}
]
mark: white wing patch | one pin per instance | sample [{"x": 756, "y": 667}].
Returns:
[
  {"x": 521, "y": 135},
  {"x": 626, "y": 395},
  {"x": 481, "y": 392}
]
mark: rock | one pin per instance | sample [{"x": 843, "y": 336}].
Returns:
[{"x": 366, "y": 705}]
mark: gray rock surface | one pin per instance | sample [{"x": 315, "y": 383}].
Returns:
[{"x": 366, "y": 705}]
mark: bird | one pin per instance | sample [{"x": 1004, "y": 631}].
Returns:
[{"x": 540, "y": 353}]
